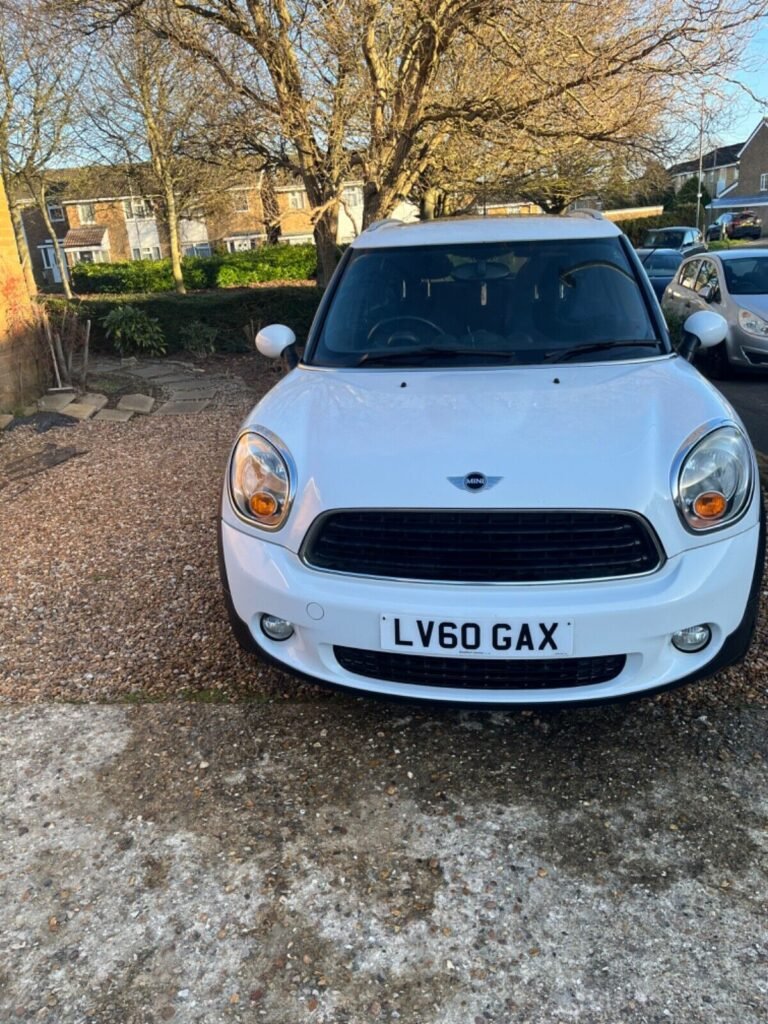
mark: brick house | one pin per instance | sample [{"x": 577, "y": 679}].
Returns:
[
  {"x": 20, "y": 372},
  {"x": 750, "y": 190},
  {"x": 719, "y": 169},
  {"x": 103, "y": 216}
]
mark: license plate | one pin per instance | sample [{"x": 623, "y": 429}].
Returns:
[{"x": 483, "y": 637}]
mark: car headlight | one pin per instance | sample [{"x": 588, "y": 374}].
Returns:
[
  {"x": 260, "y": 484},
  {"x": 753, "y": 324},
  {"x": 714, "y": 482}
]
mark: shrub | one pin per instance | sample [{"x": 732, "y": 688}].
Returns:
[
  {"x": 683, "y": 216},
  {"x": 198, "y": 338},
  {"x": 132, "y": 331},
  {"x": 228, "y": 310},
  {"x": 267, "y": 263}
]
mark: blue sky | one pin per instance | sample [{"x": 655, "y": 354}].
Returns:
[{"x": 748, "y": 113}]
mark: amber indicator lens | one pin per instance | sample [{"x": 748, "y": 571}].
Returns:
[
  {"x": 263, "y": 504},
  {"x": 710, "y": 505}
]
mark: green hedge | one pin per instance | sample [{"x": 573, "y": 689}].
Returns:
[
  {"x": 267, "y": 263},
  {"x": 226, "y": 312}
]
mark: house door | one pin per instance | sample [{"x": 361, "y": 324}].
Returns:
[{"x": 50, "y": 265}]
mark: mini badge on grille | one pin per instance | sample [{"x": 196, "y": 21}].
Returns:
[{"x": 474, "y": 481}]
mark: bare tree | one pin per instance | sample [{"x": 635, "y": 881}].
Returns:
[
  {"x": 37, "y": 97},
  {"x": 148, "y": 101},
  {"x": 380, "y": 87}
]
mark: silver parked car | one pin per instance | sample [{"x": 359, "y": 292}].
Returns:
[{"x": 735, "y": 284}]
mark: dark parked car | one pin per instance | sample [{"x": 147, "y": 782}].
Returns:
[
  {"x": 660, "y": 266},
  {"x": 735, "y": 225},
  {"x": 688, "y": 241}
]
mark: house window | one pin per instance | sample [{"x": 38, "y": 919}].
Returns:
[
  {"x": 87, "y": 213},
  {"x": 201, "y": 249},
  {"x": 88, "y": 256},
  {"x": 243, "y": 244},
  {"x": 56, "y": 213},
  {"x": 352, "y": 196},
  {"x": 297, "y": 200},
  {"x": 240, "y": 202},
  {"x": 764, "y": 182},
  {"x": 148, "y": 252},
  {"x": 137, "y": 209}
]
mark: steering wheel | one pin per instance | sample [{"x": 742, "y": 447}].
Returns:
[{"x": 404, "y": 334}]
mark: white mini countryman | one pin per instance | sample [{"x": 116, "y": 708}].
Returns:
[{"x": 489, "y": 479}]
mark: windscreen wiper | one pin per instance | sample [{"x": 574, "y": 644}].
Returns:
[
  {"x": 429, "y": 352},
  {"x": 595, "y": 346}
]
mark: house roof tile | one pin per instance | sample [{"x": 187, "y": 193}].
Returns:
[{"x": 77, "y": 238}]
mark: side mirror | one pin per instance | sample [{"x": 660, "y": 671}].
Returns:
[
  {"x": 273, "y": 341},
  {"x": 707, "y": 293},
  {"x": 702, "y": 330}
]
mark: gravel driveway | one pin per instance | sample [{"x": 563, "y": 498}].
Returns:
[{"x": 296, "y": 855}]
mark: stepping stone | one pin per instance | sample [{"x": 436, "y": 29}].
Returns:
[
  {"x": 179, "y": 408},
  {"x": 79, "y": 411},
  {"x": 5, "y": 419},
  {"x": 56, "y": 402},
  {"x": 113, "y": 415},
  {"x": 96, "y": 400},
  {"x": 136, "y": 403},
  {"x": 29, "y": 410},
  {"x": 193, "y": 395}
]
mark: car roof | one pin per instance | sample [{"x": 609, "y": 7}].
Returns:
[
  {"x": 458, "y": 230},
  {"x": 672, "y": 227},
  {"x": 740, "y": 254}
]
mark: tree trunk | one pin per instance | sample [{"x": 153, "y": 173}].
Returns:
[
  {"x": 429, "y": 204},
  {"x": 23, "y": 248},
  {"x": 327, "y": 249},
  {"x": 172, "y": 219},
  {"x": 61, "y": 259}
]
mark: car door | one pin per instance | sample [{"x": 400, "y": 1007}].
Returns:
[{"x": 680, "y": 293}]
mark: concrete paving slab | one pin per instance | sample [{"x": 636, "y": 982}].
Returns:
[
  {"x": 95, "y": 399},
  {"x": 79, "y": 410},
  {"x": 5, "y": 419},
  {"x": 29, "y": 410},
  {"x": 136, "y": 403},
  {"x": 56, "y": 401},
  {"x": 114, "y": 415},
  {"x": 181, "y": 407},
  {"x": 192, "y": 394}
]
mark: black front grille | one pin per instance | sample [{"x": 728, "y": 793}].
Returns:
[
  {"x": 482, "y": 547},
  {"x": 480, "y": 673}
]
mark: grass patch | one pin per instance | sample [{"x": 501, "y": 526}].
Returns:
[{"x": 728, "y": 243}]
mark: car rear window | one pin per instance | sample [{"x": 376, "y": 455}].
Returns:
[
  {"x": 520, "y": 301},
  {"x": 663, "y": 239}
]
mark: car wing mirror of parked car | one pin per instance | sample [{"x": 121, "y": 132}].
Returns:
[
  {"x": 704, "y": 329},
  {"x": 709, "y": 293},
  {"x": 277, "y": 340}
]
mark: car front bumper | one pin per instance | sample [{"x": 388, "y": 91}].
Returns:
[{"x": 717, "y": 584}]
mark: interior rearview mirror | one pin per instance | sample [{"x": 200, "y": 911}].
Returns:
[{"x": 272, "y": 341}]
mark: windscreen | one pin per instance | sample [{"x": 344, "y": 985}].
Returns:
[
  {"x": 661, "y": 263},
  {"x": 747, "y": 275},
  {"x": 516, "y": 302}
]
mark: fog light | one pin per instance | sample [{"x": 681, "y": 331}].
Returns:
[
  {"x": 692, "y": 639},
  {"x": 276, "y": 628}
]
